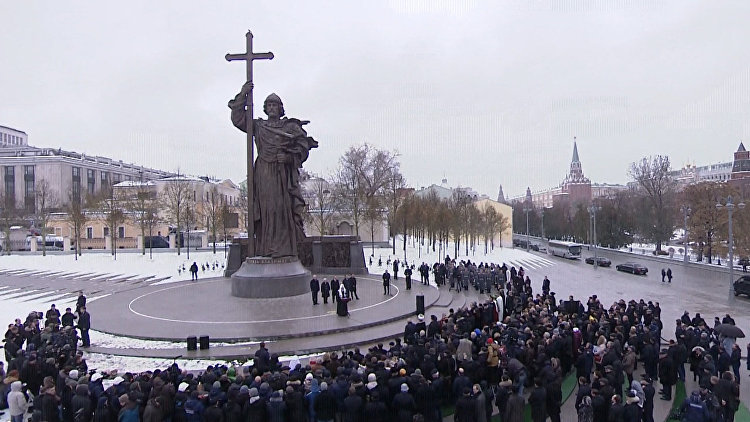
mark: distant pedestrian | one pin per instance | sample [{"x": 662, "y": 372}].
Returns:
[
  {"x": 84, "y": 325},
  {"x": 663, "y": 274},
  {"x": 386, "y": 282},
  {"x": 325, "y": 290},
  {"x": 334, "y": 288},
  {"x": 314, "y": 289},
  {"x": 669, "y": 275},
  {"x": 353, "y": 287},
  {"x": 194, "y": 271},
  {"x": 407, "y": 274},
  {"x": 395, "y": 269},
  {"x": 81, "y": 301}
]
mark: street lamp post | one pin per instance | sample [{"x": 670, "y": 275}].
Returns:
[
  {"x": 542, "y": 223},
  {"x": 593, "y": 209},
  {"x": 527, "y": 209},
  {"x": 685, "y": 211},
  {"x": 730, "y": 207}
]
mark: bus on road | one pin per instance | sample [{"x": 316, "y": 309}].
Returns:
[{"x": 569, "y": 250}]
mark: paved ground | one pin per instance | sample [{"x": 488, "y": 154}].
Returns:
[{"x": 175, "y": 311}]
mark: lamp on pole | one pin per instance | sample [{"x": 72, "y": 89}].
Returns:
[
  {"x": 593, "y": 209},
  {"x": 729, "y": 205},
  {"x": 542, "y": 223},
  {"x": 527, "y": 208},
  {"x": 685, "y": 211}
]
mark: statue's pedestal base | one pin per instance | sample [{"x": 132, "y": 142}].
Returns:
[
  {"x": 270, "y": 277},
  {"x": 320, "y": 254}
]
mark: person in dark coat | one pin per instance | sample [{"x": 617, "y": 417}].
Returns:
[
  {"x": 353, "y": 287},
  {"x": 276, "y": 408},
  {"x": 375, "y": 410},
  {"x": 255, "y": 407},
  {"x": 194, "y": 271},
  {"x": 515, "y": 406},
  {"x": 667, "y": 374},
  {"x": 554, "y": 400},
  {"x": 314, "y": 289},
  {"x": 616, "y": 409},
  {"x": 296, "y": 411},
  {"x": 325, "y": 404},
  {"x": 84, "y": 325},
  {"x": 325, "y": 290},
  {"x": 342, "y": 301},
  {"x": 334, "y": 288},
  {"x": 632, "y": 410},
  {"x": 407, "y": 274},
  {"x": 353, "y": 405},
  {"x": 538, "y": 402},
  {"x": 386, "y": 283},
  {"x": 81, "y": 404},
  {"x": 403, "y": 405},
  {"x": 648, "y": 404},
  {"x": 466, "y": 408},
  {"x": 669, "y": 275}
]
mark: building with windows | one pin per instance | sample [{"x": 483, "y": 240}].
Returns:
[
  {"x": 12, "y": 137},
  {"x": 68, "y": 175}
]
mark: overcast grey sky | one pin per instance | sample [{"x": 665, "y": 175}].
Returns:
[{"x": 483, "y": 93}]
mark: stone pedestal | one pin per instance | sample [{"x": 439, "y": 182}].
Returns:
[
  {"x": 270, "y": 277},
  {"x": 66, "y": 244},
  {"x": 319, "y": 254}
]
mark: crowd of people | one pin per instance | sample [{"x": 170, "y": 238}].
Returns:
[{"x": 489, "y": 357}]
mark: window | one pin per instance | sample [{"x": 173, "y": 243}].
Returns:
[
  {"x": 10, "y": 187},
  {"x": 91, "y": 179},
  {"x": 76, "y": 184},
  {"x": 116, "y": 178},
  {"x": 29, "y": 189},
  {"x": 106, "y": 231},
  {"x": 121, "y": 232},
  {"x": 89, "y": 232}
]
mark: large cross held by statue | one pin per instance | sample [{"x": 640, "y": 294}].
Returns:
[{"x": 248, "y": 56}]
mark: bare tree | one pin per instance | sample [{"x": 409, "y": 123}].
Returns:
[
  {"x": 394, "y": 198},
  {"x": 46, "y": 203},
  {"x": 143, "y": 206},
  {"x": 77, "y": 217},
  {"x": 242, "y": 206},
  {"x": 324, "y": 206},
  {"x": 112, "y": 212},
  {"x": 349, "y": 182},
  {"x": 213, "y": 212},
  {"x": 174, "y": 198},
  {"x": 658, "y": 188},
  {"x": 9, "y": 216},
  {"x": 373, "y": 216}
]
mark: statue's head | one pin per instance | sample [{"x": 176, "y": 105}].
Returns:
[{"x": 273, "y": 99}]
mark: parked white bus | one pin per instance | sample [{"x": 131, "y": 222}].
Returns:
[{"x": 569, "y": 250}]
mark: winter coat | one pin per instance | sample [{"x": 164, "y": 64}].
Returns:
[
  {"x": 514, "y": 409},
  {"x": 276, "y": 409},
  {"x": 81, "y": 404},
  {"x": 212, "y": 414},
  {"x": 376, "y": 411},
  {"x": 255, "y": 409},
  {"x": 49, "y": 406},
  {"x": 403, "y": 407},
  {"x": 466, "y": 409},
  {"x": 153, "y": 412},
  {"x": 17, "y": 403},
  {"x": 325, "y": 405},
  {"x": 352, "y": 409},
  {"x": 538, "y": 403}
]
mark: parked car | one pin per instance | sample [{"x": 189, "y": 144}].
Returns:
[
  {"x": 742, "y": 286},
  {"x": 633, "y": 268},
  {"x": 600, "y": 261}
]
